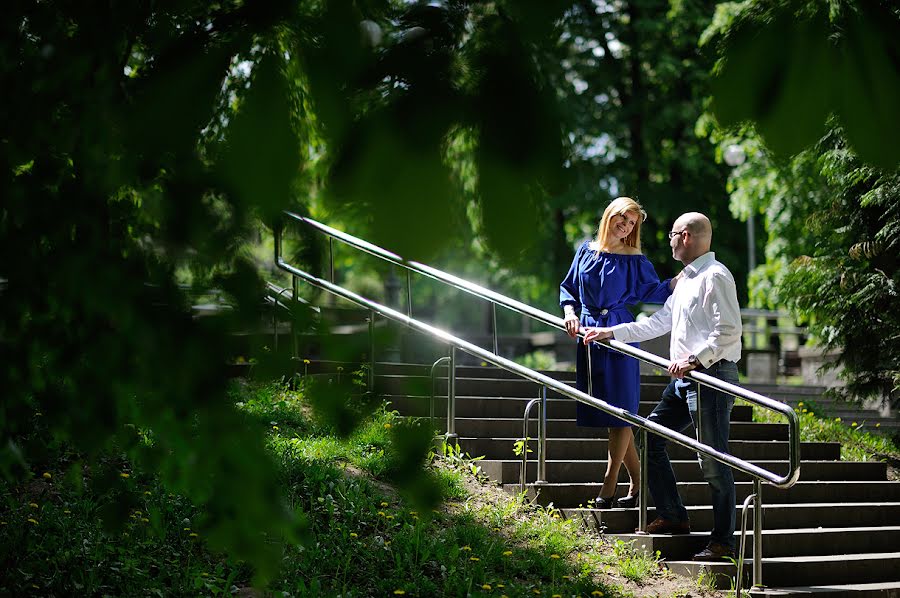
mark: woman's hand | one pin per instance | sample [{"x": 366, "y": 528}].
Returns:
[
  {"x": 572, "y": 325},
  {"x": 596, "y": 334}
]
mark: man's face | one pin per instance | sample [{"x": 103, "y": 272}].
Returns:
[{"x": 676, "y": 240}]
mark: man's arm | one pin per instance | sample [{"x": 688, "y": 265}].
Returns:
[
  {"x": 656, "y": 325},
  {"x": 721, "y": 306}
]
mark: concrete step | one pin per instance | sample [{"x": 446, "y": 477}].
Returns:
[
  {"x": 890, "y": 589},
  {"x": 844, "y": 569},
  {"x": 508, "y": 407},
  {"x": 812, "y": 541},
  {"x": 578, "y": 448},
  {"x": 506, "y": 471},
  {"x": 567, "y": 428},
  {"x": 775, "y": 516},
  {"x": 698, "y": 493},
  {"x": 491, "y": 387}
]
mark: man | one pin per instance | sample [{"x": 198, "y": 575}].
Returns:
[{"x": 705, "y": 321}]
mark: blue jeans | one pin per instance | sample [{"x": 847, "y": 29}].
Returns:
[{"x": 677, "y": 410}]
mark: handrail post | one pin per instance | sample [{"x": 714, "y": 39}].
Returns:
[
  {"x": 451, "y": 396},
  {"x": 643, "y": 499},
  {"x": 590, "y": 374},
  {"x": 331, "y": 258},
  {"x": 757, "y": 534},
  {"x": 494, "y": 325},
  {"x": 523, "y": 477},
  {"x": 371, "y": 350},
  {"x": 275, "y": 318},
  {"x": 295, "y": 295},
  {"x": 409, "y": 294},
  {"x": 739, "y": 578},
  {"x": 434, "y": 366},
  {"x": 542, "y": 439}
]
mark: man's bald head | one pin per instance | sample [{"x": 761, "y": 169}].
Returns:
[{"x": 700, "y": 230}]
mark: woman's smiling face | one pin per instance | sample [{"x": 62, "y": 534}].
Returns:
[{"x": 621, "y": 225}]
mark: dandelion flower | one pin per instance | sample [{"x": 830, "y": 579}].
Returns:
[
  {"x": 557, "y": 595},
  {"x": 32, "y": 520},
  {"x": 383, "y": 504},
  {"x": 144, "y": 520},
  {"x": 274, "y": 427},
  {"x": 306, "y": 361},
  {"x": 800, "y": 404},
  {"x": 837, "y": 419},
  {"x": 853, "y": 425},
  {"x": 147, "y": 493},
  {"x": 67, "y": 512},
  {"x": 46, "y": 475},
  {"x": 33, "y": 505},
  {"x": 554, "y": 556},
  {"x": 381, "y": 513},
  {"x": 387, "y": 426},
  {"x": 399, "y": 592},
  {"x": 354, "y": 535},
  {"x": 389, "y": 517},
  {"x": 124, "y": 475},
  {"x": 507, "y": 553},
  {"x": 194, "y": 535},
  {"x": 878, "y": 425},
  {"x": 474, "y": 559},
  {"x": 567, "y": 577},
  {"x": 465, "y": 548},
  {"x": 485, "y": 586},
  {"x": 597, "y": 593}
]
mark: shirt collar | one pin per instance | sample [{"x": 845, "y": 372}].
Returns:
[{"x": 698, "y": 264}]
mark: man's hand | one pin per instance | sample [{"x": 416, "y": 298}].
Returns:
[
  {"x": 680, "y": 368},
  {"x": 572, "y": 325},
  {"x": 596, "y": 334}
]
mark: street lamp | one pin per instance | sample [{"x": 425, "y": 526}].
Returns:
[{"x": 735, "y": 156}]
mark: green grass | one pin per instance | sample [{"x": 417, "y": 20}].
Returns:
[
  {"x": 362, "y": 536},
  {"x": 857, "y": 444}
]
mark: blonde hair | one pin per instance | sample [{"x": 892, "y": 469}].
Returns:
[{"x": 619, "y": 207}]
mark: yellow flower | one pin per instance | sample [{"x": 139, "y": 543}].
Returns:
[
  {"x": 837, "y": 419},
  {"x": 33, "y": 505},
  {"x": 387, "y": 426},
  {"x": 34, "y": 521},
  {"x": 500, "y": 586},
  {"x": 384, "y": 504},
  {"x": 67, "y": 512},
  {"x": 389, "y": 517},
  {"x": 144, "y": 520},
  {"x": 485, "y": 586},
  {"x": 567, "y": 577},
  {"x": 306, "y": 361},
  {"x": 124, "y": 475},
  {"x": 187, "y": 529},
  {"x": 414, "y": 513},
  {"x": 354, "y": 535},
  {"x": 147, "y": 493},
  {"x": 853, "y": 425},
  {"x": 536, "y": 591},
  {"x": 596, "y": 593},
  {"x": 387, "y": 542},
  {"x": 507, "y": 553},
  {"x": 554, "y": 556},
  {"x": 496, "y": 529},
  {"x": 399, "y": 592},
  {"x": 474, "y": 559},
  {"x": 878, "y": 425},
  {"x": 557, "y": 595},
  {"x": 464, "y": 548},
  {"x": 274, "y": 427},
  {"x": 204, "y": 574},
  {"x": 194, "y": 535},
  {"x": 47, "y": 475},
  {"x": 381, "y": 513},
  {"x": 800, "y": 404}
]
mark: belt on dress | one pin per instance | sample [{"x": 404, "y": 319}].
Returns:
[{"x": 598, "y": 311}]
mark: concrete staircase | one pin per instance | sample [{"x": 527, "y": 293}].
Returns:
[{"x": 835, "y": 533}]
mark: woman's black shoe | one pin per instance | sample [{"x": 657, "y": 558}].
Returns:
[
  {"x": 605, "y": 503},
  {"x": 628, "y": 502}
]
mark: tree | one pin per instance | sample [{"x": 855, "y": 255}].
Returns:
[{"x": 832, "y": 209}]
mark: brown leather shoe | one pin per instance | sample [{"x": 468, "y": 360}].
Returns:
[
  {"x": 715, "y": 552},
  {"x": 664, "y": 526}
]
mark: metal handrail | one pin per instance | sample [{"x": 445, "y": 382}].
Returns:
[
  {"x": 557, "y": 322},
  {"x": 560, "y": 387},
  {"x": 757, "y": 472}
]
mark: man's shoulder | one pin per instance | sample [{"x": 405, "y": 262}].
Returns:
[{"x": 714, "y": 269}]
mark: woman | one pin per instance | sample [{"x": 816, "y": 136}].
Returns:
[{"x": 608, "y": 274}]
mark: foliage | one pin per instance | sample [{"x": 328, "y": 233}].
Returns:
[
  {"x": 857, "y": 444},
  {"x": 831, "y": 210},
  {"x": 362, "y": 539}
]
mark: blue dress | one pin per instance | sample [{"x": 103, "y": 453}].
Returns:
[{"x": 599, "y": 287}]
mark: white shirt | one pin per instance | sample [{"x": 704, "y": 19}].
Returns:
[{"x": 702, "y": 313}]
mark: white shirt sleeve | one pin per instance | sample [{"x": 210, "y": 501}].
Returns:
[
  {"x": 656, "y": 325},
  {"x": 720, "y": 305}
]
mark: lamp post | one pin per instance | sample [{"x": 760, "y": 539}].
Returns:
[{"x": 735, "y": 156}]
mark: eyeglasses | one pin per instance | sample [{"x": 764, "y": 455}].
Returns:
[{"x": 674, "y": 233}]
